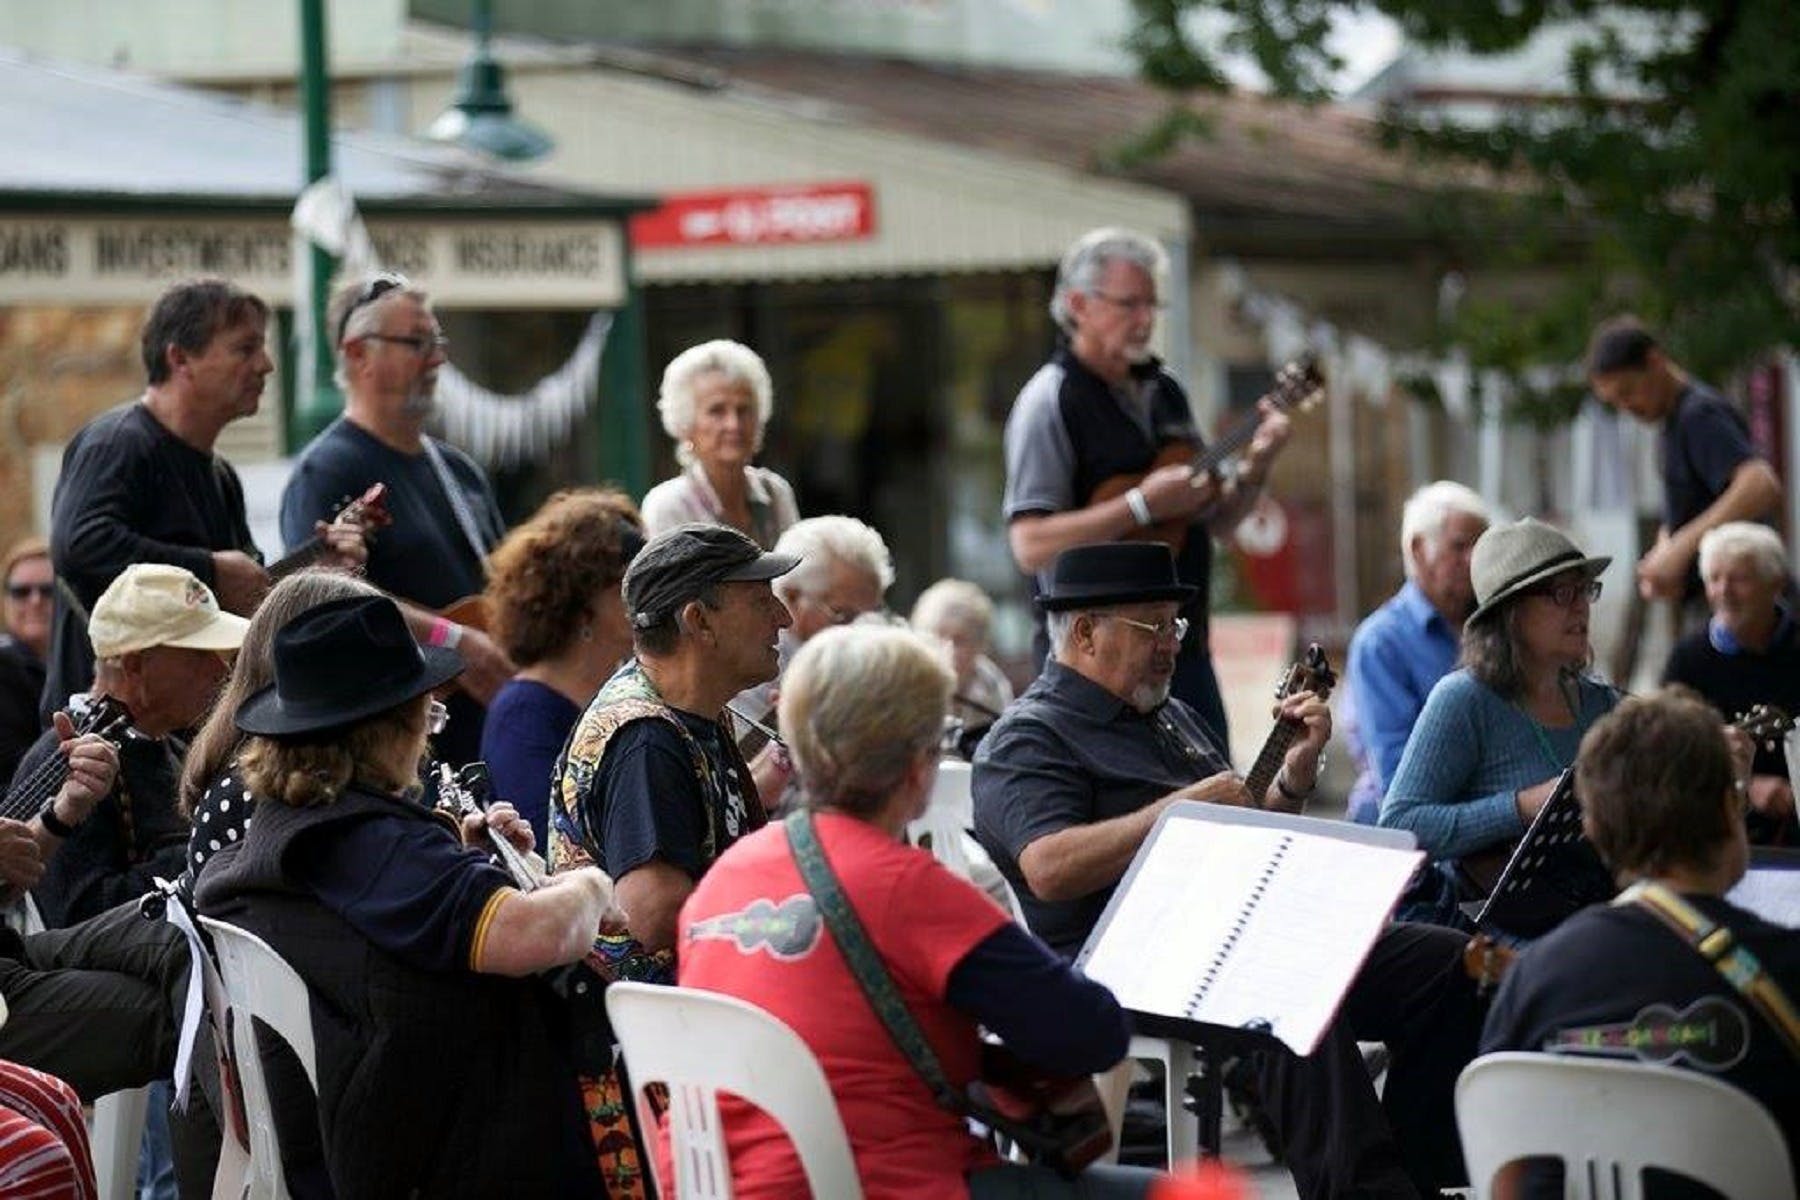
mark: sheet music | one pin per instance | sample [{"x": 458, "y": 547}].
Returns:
[
  {"x": 1772, "y": 893},
  {"x": 1233, "y": 924}
]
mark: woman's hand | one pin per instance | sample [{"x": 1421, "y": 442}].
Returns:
[{"x": 1531, "y": 800}]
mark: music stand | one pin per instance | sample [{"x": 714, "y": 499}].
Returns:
[
  {"x": 1214, "y": 1042},
  {"x": 1554, "y": 871}
]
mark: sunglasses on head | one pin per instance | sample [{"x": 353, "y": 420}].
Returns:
[{"x": 377, "y": 287}]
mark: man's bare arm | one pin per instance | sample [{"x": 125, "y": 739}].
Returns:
[
  {"x": 651, "y": 897},
  {"x": 1082, "y": 859}
]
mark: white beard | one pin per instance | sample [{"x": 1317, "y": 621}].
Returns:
[{"x": 1147, "y": 697}]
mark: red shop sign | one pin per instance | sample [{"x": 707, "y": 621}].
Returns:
[{"x": 818, "y": 212}]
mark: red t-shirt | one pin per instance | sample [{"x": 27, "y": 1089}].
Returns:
[{"x": 749, "y": 930}]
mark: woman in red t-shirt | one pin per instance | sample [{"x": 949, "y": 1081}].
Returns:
[{"x": 863, "y": 710}]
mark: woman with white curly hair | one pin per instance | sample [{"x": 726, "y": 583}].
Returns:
[{"x": 715, "y": 402}]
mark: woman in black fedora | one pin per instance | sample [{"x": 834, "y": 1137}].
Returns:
[
  {"x": 418, "y": 954},
  {"x": 1496, "y": 734}
]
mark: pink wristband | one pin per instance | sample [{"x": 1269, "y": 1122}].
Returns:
[{"x": 443, "y": 633}]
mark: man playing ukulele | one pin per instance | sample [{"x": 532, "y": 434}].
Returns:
[{"x": 1104, "y": 407}]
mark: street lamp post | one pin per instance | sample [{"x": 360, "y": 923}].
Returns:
[
  {"x": 318, "y": 400},
  {"x": 481, "y": 114}
]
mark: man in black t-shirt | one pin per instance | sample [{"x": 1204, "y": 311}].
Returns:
[
  {"x": 445, "y": 518},
  {"x": 1663, "y": 803},
  {"x": 141, "y": 483},
  {"x": 651, "y": 787},
  {"x": 1711, "y": 473},
  {"x": 1103, "y": 407}
]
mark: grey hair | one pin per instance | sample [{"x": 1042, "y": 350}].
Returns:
[
  {"x": 859, "y": 705},
  {"x": 1083, "y": 262},
  {"x": 1058, "y": 625},
  {"x": 953, "y": 602},
  {"x": 1745, "y": 539},
  {"x": 1429, "y": 508},
  {"x": 363, "y": 321},
  {"x": 734, "y": 360},
  {"x": 817, "y": 540}
]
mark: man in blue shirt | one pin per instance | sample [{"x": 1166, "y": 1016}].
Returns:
[{"x": 1408, "y": 644}]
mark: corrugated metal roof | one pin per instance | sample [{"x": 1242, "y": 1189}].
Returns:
[
  {"x": 1264, "y": 159},
  {"x": 75, "y": 130}
]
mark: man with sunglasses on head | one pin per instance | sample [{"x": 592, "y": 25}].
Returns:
[
  {"x": 1068, "y": 785},
  {"x": 445, "y": 518},
  {"x": 1102, "y": 407},
  {"x": 142, "y": 483}
]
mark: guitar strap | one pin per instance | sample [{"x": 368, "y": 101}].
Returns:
[
  {"x": 1719, "y": 946},
  {"x": 459, "y": 504},
  {"x": 864, "y": 960}
]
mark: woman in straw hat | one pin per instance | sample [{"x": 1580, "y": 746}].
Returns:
[{"x": 1497, "y": 734}]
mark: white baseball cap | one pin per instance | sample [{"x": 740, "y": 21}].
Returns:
[{"x": 154, "y": 604}]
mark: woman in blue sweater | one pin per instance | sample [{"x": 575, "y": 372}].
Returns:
[{"x": 1497, "y": 733}]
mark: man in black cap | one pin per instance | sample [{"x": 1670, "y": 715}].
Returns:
[
  {"x": 650, "y": 787},
  {"x": 1067, "y": 786}
]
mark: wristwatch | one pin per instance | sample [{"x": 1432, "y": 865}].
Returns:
[{"x": 55, "y": 824}]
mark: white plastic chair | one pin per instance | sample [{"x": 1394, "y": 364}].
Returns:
[
  {"x": 953, "y": 793},
  {"x": 1609, "y": 1120},
  {"x": 1182, "y": 1127},
  {"x": 702, "y": 1043},
  {"x": 262, "y": 987},
  {"x": 116, "y": 1137}
]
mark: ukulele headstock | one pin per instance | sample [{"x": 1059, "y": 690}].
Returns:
[
  {"x": 1311, "y": 672},
  {"x": 1299, "y": 385},
  {"x": 1766, "y": 725},
  {"x": 368, "y": 510}
]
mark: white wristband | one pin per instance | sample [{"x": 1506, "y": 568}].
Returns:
[{"x": 1140, "y": 507}]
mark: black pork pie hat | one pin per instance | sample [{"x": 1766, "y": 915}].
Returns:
[
  {"x": 1110, "y": 573},
  {"x": 340, "y": 662}
]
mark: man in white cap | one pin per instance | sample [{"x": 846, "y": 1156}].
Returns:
[{"x": 161, "y": 647}]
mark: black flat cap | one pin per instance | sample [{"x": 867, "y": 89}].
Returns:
[{"x": 678, "y": 564}]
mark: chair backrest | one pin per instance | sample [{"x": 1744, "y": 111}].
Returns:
[
  {"x": 702, "y": 1043},
  {"x": 952, "y": 794},
  {"x": 943, "y": 838},
  {"x": 261, "y": 986},
  {"x": 1609, "y": 1120}
]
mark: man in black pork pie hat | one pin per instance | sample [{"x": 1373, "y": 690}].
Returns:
[{"x": 1069, "y": 783}]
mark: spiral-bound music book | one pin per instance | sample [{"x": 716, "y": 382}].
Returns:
[{"x": 1247, "y": 919}]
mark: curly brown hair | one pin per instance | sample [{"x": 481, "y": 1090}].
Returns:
[{"x": 544, "y": 578}]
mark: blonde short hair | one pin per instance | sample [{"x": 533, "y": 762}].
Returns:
[
  {"x": 955, "y": 605},
  {"x": 734, "y": 360},
  {"x": 859, "y": 704}
]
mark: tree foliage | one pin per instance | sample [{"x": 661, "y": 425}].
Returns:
[{"x": 1670, "y": 150}]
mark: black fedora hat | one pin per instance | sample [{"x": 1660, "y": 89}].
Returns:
[
  {"x": 1113, "y": 573},
  {"x": 340, "y": 662}
]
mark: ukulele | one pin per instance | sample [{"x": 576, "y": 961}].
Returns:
[
  {"x": 1298, "y": 386},
  {"x": 105, "y": 717},
  {"x": 368, "y": 510},
  {"x": 1310, "y": 673}
]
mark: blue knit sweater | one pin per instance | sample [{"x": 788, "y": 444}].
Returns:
[{"x": 1470, "y": 755}]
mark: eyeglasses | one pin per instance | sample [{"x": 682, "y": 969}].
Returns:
[
  {"x": 421, "y": 345},
  {"x": 844, "y": 616},
  {"x": 25, "y": 591},
  {"x": 436, "y": 717},
  {"x": 1564, "y": 594},
  {"x": 1131, "y": 304},
  {"x": 1175, "y": 627}
]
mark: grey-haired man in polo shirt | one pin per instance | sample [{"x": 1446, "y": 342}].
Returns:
[
  {"x": 1068, "y": 784},
  {"x": 1104, "y": 407}
]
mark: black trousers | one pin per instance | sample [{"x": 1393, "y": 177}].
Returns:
[
  {"x": 1341, "y": 1140},
  {"x": 96, "y": 1003}
]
